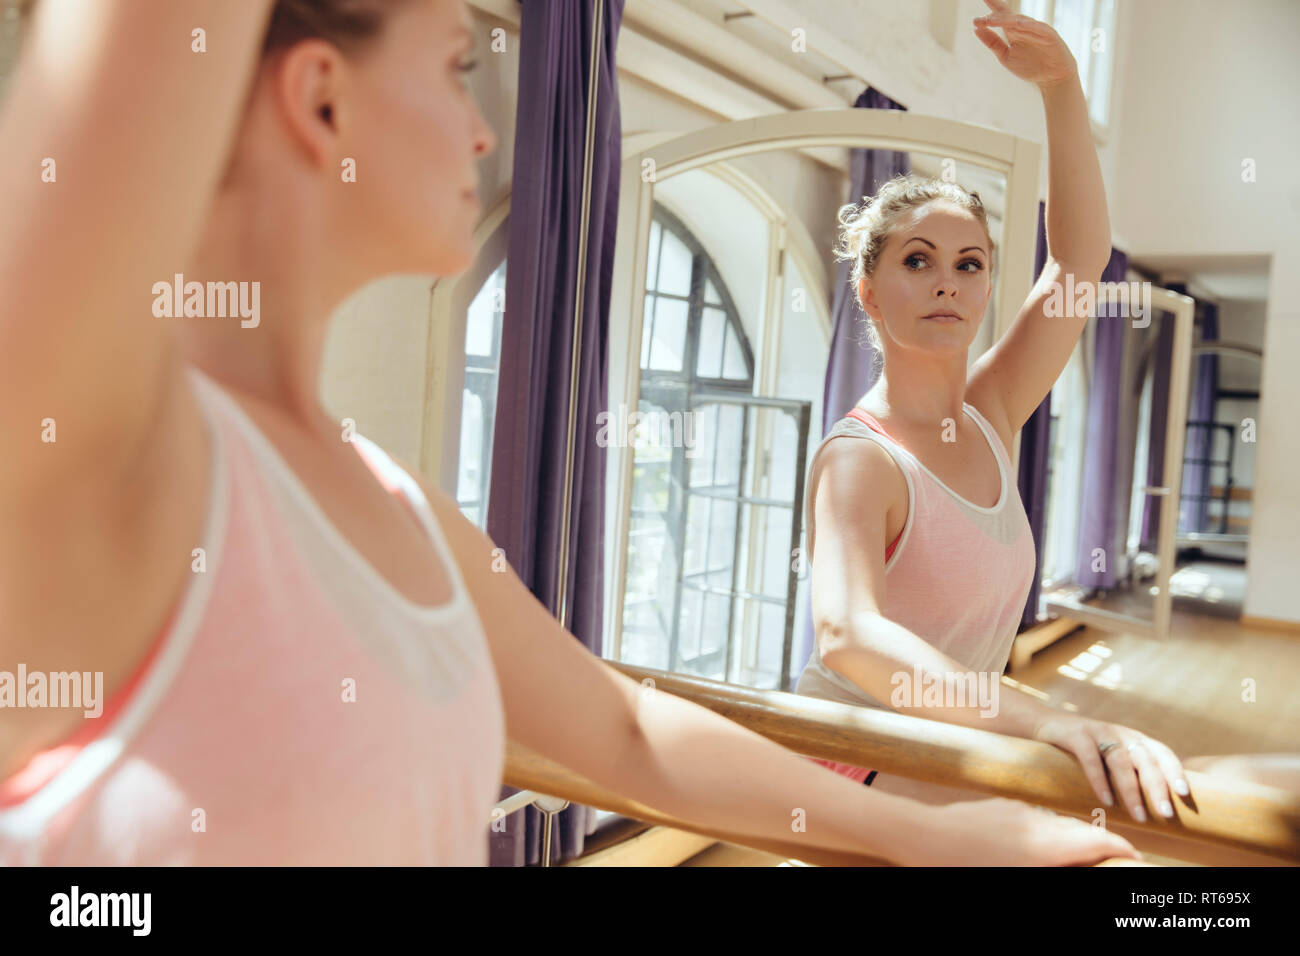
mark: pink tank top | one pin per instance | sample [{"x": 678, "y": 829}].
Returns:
[
  {"x": 297, "y": 709},
  {"x": 958, "y": 575}
]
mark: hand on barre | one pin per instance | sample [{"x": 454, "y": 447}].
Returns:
[{"x": 1135, "y": 763}]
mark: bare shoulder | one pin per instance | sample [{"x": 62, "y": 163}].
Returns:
[
  {"x": 856, "y": 483},
  {"x": 856, "y": 466}
]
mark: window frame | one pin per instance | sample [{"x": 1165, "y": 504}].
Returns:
[{"x": 1100, "y": 129}]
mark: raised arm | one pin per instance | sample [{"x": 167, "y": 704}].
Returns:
[
  {"x": 1019, "y": 370},
  {"x": 115, "y": 134}
]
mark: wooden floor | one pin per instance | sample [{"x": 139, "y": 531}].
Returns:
[
  {"x": 1193, "y": 692},
  {"x": 1190, "y": 692}
]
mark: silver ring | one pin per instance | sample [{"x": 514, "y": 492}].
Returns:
[{"x": 1108, "y": 745}]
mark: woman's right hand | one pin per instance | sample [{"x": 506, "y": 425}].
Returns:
[{"x": 1002, "y": 832}]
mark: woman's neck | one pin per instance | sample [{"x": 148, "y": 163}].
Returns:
[{"x": 920, "y": 394}]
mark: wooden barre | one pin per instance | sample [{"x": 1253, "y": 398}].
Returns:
[
  {"x": 1220, "y": 811},
  {"x": 530, "y": 770}
]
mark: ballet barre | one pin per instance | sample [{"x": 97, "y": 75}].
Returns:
[
  {"x": 539, "y": 774},
  {"x": 1246, "y": 816}
]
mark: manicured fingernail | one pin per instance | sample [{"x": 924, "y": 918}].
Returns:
[
  {"x": 1181, "y": 787},
  {"x": 1167, "y": 808},
  {"x": 1110, "y": 801},
  {"x": 1139, "y": 814}
]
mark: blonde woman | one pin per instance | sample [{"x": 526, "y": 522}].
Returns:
[
  {"x": 922, "y": 553},
  {"x": 305, "y": 652}
]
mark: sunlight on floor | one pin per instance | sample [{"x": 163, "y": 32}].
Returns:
[
  {"x": 1195, "y": 584},
  {"x": 1084, "y": 663}
]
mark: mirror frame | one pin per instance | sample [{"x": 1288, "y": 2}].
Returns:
[{"x": 1017, "y": 159}]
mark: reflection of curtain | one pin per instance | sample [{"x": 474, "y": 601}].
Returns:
[
  {"x": 1163, "y": 358},
  {"x": 528, "y": 458},
  {"x": 1100, "y": 521},
  {"x": 1200, "y": 441},
  {"x": 1035, "y": 449},
  {"x": 851, "y": 364}
]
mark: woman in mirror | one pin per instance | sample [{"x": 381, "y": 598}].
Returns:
[{"x": 923, "y": 552}]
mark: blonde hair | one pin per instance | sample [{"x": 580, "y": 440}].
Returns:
[{"x": 865, "y": 227}]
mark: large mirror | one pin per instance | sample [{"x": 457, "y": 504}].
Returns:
[{"x": 723, "y": 293}]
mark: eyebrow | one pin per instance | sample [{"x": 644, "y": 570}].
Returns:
[{"x": 933, "y": 246}]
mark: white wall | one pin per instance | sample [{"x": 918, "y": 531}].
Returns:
[
  {"x": 377, "y": 366},
  {"x": 1203, "y": 92},
  {"x": 1243, "y": 322}
]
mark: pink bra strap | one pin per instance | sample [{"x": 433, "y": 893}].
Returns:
[{"x": 870, "y": 421}]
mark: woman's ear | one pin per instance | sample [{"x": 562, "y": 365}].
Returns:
[
  {"x": 307, "y": 86},
  {"x": 866, "y": 298}
]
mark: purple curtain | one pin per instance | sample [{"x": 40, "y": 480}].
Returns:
[
  {"x": 1100, "y": 514},
  {"x": 1164, "y": 359},
  {"x": 1197, "y": 475},
  {"x": 526, "y": 500},
  {"x": 1035, "y": 450},
  {"x": 851, "y": 365}
]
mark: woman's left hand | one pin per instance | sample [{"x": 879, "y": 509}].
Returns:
[
  {"x": 1135, "y": 764},
  {"x": 1033, "y": 51}
]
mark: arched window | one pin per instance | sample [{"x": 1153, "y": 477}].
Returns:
[{"x": 683, "y": 569}]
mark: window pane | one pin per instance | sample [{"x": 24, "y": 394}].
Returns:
[
  {"x": 469, "y": 483},
  {"x": 708, "y": 363},
  {"x": 783, "y": 457},
  {"x": 1074, "y": 24},
  {"x": 731, "y": 426},
  {"x": 771, "y": 645},
  {"x": 650, "y": 485},
  {"x": 478, "y": 399},
  {"x": 688, "y": 637},
  {"x": 705, "y": 433},
  {"x": 1034, "y": 8},
  {"x": 483, "y": 322},
  {"x": 652, "y": 266},
  {"x": 1099, "y": 96},
  {"x": 774, "y": 528},
  {"x": 733, "y": 358},
  {"x": 722, "y": 536},
  {"x": 647, "y": 325},
  {"x": 669, "y": 335},
  {"x": 674, "y": 266},
  {"x": 711, "y": 295},
  {"x": 697, "y": 531},
  {"x": 714, "y": 637}
]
